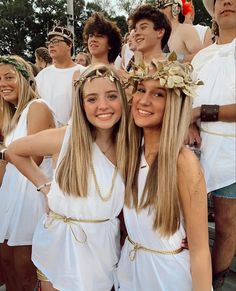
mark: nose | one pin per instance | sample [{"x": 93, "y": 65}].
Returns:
[
  {"x": 2, "y": 82},
  {"x": 145, "y": 99},
  {"x": 102, "y": 104},
  {"x": 136, "y": 32}
]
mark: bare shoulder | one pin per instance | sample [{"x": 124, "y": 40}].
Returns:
[
  {"x": 38, "y": 105},
  {"x": 189, "y": 167},
  {"x": 76, "y": 75}
]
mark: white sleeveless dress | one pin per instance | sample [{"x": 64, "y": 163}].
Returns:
[
  {"x": 21, "y": 204},
  {"x": 150, "y": 271},
  {"x": 79, "y": 256}
]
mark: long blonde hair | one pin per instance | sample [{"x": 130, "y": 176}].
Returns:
[
  {"x": 73, "y": 171},
  {"x": 11, "y": 114},
  {"x": 161, "y": 188}
]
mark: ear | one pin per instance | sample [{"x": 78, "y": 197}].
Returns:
[{"x": 160, "y": 33}]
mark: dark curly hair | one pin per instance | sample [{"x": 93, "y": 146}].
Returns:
[
  {"x": 97, "y": 23},
  {"x": 160, "y": 21}
]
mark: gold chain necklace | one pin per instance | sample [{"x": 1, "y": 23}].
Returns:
[{"x": 108, "y": 196}]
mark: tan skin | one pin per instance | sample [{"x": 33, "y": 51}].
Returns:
[
  {"x": 227, "y": 113},
  {"x": 60, "y": 53},
  {"x": 16, "y": 260},
  {"x": 148, "y": 108},
  {"x": 97, "y": 102},
  {"x": 184, "y": 37}
]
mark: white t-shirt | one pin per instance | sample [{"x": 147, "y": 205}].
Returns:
[
  {"x": 55, "y": 86},
  {"x": 215, "y": 66}
]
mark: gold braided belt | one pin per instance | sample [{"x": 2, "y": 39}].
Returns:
[
  {"x": 41, "y": 276},
  {"x": 73, "y": 223},
  {"x": 137, "y": 247}
]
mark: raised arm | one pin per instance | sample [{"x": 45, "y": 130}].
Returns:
[
  {"x": 44, "y": 143},
  {"x": 192, "y": 42},
  {"x": 193, "y": 198}
]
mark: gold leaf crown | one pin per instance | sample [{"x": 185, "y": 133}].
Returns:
[
  {"x": 98, "y": 73},
  {"x": 170, "y": 73}
]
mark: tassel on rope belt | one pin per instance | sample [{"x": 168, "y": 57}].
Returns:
[
  {"x": 73, "y": 223},
  {"x": 137, "y": 247}
]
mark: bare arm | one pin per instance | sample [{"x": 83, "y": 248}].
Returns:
[
  {"x": 44, "y": 143},
  {"x": 193, "y": 198},
  {"x": 227, "y": 113},
  {"x": 39, "y": 118},
  {"x": 192, "y": 42},
  {"x": 208, "y": 38}
]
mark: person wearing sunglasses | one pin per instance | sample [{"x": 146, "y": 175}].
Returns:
[{"x": 54, "y": 83}]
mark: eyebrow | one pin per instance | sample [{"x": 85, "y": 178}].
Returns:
[
  {"x": 9, "y": 73},
  {"x": 155, "y": 88},
  {"x": 143, "y": 23},
  {"x": 107, "y": 92}
]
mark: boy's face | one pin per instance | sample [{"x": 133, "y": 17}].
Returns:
[
  {"x": 225, "y": 14},
  {"x": 146, "y": 36}
]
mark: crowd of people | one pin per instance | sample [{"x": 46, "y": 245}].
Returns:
[{"x": 100, "y": 186}]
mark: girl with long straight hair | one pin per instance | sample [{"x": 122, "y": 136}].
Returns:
[
  {"x": 166, "y": 197},
  {"x": 76, "y": 244},
  {"x": 21, "y": 205}
]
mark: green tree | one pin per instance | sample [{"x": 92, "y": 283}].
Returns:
[
  {"x": 201, "y": 15},
  {"x": 16, "y": 17},
  {"x": 128, "y": 5}
]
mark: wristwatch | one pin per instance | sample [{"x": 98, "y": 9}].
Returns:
[{"x": 2, "y": 154}]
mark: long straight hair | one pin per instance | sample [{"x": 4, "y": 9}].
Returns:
[
  {"x": 11, "y": 114},
  {"x": 73, "y": 171},
  {"x": 161, "y": 188}
]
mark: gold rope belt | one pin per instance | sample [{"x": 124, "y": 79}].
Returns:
[
  {"x": 41, "y": 276},
  {"x": 137, "y": 247},
  {"x": 217, "y": 133},
  {"x": 71, "y": 222}
]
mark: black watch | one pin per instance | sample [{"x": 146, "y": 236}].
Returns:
[{"x": 2, "y": 154}]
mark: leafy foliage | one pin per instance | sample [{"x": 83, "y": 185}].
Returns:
[{"x": 24, "y": 24}]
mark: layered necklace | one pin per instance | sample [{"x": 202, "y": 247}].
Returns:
[{"x": 98, "y": 189}]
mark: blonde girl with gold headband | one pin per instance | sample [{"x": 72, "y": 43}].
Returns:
[
  {"x": 76, "y": 244},
  {"x": 166, "y": 197},
  {"x": 21, "y": 205}
]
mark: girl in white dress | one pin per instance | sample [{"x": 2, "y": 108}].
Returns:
[
  {"x": 76, "y": 245},
  {"x": 21, "y": 205},
  {"x": 166, "y": 198}
]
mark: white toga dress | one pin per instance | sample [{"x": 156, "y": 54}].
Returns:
[
  {"x": 80, "y": 256},
  {"x": 21, "y": 204},
  {"x": 150, "y": 271}
]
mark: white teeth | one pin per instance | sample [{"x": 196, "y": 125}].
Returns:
[
  {"x": 104, "y": 115},
  {"x": 142, "y": 112},
  {"x": 6, "y": 91}
]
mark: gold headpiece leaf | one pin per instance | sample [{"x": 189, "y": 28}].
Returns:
[{"x": 170, "y": 73}]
